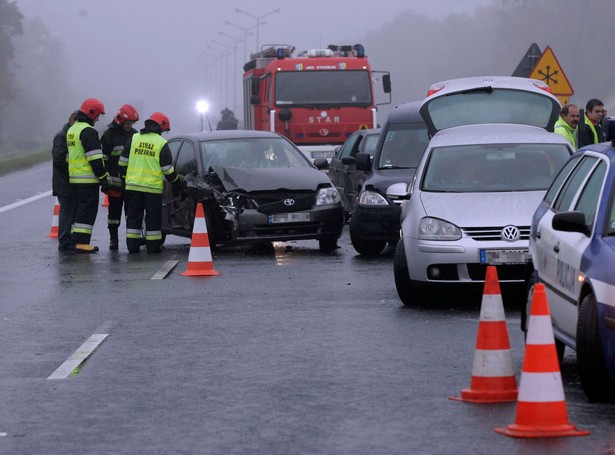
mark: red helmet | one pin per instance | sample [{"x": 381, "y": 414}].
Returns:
[
  {"x": 162, "y": 121},
  {"x": 92, "y": 108},
  {"x": 126, "y": 112}
]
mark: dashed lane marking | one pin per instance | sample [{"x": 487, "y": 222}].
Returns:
[
  {"x": 24, "y": 201},
  {"x": 79, "y": 356},
  {"x": 164, "y": 270}
]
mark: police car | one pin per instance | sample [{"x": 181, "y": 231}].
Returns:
[{"x": 572, "y": 244}]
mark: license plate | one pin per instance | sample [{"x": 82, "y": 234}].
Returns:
[
  {"x": 504, "y": 256},
  {"x": 323, "y": 154},
  {"x": 295, "y": 217}
]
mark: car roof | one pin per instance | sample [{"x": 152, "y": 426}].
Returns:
[
  {"x": 406, "y": 112},
  {"x": 227, "y": 134},
  {"x": 495, "y": 133},
  {"x": 368, "y": 131},
  {"x": 606, "y": 148}
]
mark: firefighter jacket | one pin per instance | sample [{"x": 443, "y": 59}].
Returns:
[
  {"x": 113, "y": 141},
  {"x": 145, "y": 161},
  {"x": 85, "y": 157},
  {"x": 562, "y": 128},
  {"x": 59, "y": 153}
]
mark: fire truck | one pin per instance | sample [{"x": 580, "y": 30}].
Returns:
[{"x": 317, "y": 99}]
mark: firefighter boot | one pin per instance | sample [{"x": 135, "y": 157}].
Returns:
[
  {"x": 113, "y": 244},
  {"x": 85, "y": 248}
]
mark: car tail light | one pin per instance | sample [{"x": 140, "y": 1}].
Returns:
[{"x": 435, "y": 88}]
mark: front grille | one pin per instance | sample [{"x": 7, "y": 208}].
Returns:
[
  {"x": 274, "y": 203},
  {"x": 481, "y": 234},
  {"x": 506, "y": 272}
]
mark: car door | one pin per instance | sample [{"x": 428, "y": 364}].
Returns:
[
  {"x": 339, "y": 172},
  {"x": 180, "y": 209},
  {"x": 559, "y": 253}
]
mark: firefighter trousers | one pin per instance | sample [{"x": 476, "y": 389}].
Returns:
[
  {"x": 114, "y": 215},
  {"x": 87, "y": 196},
  {"x": 137, "y": 205}
]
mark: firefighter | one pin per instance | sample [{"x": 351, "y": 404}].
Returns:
[
  {"x": 144, "y": 164},
  {"x": 228, "y": 121},
  {"x": 86, "y": 170},
  {"x": 118, "y": 132}
]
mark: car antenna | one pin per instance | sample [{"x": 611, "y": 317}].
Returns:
[{"x": 208, "y": 122}]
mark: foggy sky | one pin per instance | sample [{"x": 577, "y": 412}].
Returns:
[{"x": 161, "y": 57}]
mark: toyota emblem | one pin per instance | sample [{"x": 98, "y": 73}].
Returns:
[
  {"x": 289, "y": 202},
  {"x": 510, "y": 233}
]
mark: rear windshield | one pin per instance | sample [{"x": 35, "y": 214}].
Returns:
[
  {"x": 490, "y": 106},
  {"x": 489, "y": 168},
  {"x": 403, "y": 145}
]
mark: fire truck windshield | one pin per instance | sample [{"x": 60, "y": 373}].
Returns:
[{"x": 323, "y": 88}]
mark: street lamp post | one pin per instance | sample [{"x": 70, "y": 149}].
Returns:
[
  {"x": 226, "y": 64},
  {"x": 235, "y": 41},
  {"x": 202, "y": 107},
  {"x": 245, "y": 36},
  {"x": 258, "y": 21}
]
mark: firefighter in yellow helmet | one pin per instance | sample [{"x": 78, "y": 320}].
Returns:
[
  {"x": 86, "y": 172},
  {"x": 144, "y": 164}
]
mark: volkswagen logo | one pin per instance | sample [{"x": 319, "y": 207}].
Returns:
[
  {"x": 289, "y": 202},
  {"x": 510, "y": 233}
]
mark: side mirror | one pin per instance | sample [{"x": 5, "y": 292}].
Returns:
[
  {"x": 363, "y": 162},
  {"x": 348, "y": 161},
  {"x": 386, "y": 83},
  {"x": 398, "y": 191},
  {"x": 570, "y": 222},
  {"x": 255, "y": 89},
  {"x": 321, "y": 164}
]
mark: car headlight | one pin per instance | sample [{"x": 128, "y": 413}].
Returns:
[
  {"x": 372, "y": 198},
  {"x": 327, "y": 196},
  {"x": 437, "y": 229}
]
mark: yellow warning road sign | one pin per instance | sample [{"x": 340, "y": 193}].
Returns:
[{"x": 548, "y": 69}]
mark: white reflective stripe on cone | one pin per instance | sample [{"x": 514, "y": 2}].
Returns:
[
  {"x": 541, "y": 387},
  {"x": 540, "y": 330},
  {"x": 493, "y": 363},
  {"x": 199, "y": 254},
  {"x": 492, "y": 308}
]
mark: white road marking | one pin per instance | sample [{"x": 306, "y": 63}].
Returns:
[
  {"x": 164, "y": 270},
  {"x": 79, "y": 356},
  {"x": 25, "y": 201}
]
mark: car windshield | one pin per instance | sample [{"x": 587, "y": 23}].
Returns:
[
  {"x": 317, "y": 88},
  {"x": 252, "y": 153},
  {"x": 490, "y": 106},
  {"x": 493, "y": 167},
  {"x": 403, "y": 146}
]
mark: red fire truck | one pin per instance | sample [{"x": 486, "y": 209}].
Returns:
[{"x": 317, "y": 99}]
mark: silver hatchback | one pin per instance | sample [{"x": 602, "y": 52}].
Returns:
[{"x": 476, "y": 188}]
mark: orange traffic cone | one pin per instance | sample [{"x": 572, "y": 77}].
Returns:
[
  {"x": 199, "y": 258},
  {"x": 541, "y": 407},
  {"x": 493, "y": 375},
  {"x": 105, "y": 202},
  {"x": 55, "y": 220}
]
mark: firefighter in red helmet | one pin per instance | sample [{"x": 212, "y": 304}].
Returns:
[
  {"x": 86, "y": 171},
  {"x": 117, "y": 134},
  {"x": 144, "y": 164}
]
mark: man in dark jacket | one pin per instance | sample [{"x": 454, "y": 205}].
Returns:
[
  {"x": 590, "y": 128},
  {"x": 228, "y": 122},
  {"x": 113, "y": 140},
  {"x": 61, "y": 187}
]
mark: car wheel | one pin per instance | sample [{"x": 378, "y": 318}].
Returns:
[
  {"x": 595, "y": 380},
  {"x": 328, "y": 243},
  {"x": 560, "y": 347},
  {"x": 366, "y": 248},
  {"x": 407, "y": 293}
]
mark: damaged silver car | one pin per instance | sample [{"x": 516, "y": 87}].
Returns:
[{"x": 255, "y": 186}]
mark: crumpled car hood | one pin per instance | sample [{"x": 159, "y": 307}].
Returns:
[{"x": 234, "y": 178}]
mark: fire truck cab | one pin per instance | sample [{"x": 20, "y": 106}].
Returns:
[{"x": 317, "y": 99}]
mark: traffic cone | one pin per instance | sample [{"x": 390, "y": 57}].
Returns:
[
  {"x": 105, "y": 202},
  {"x": 493, "y": 375},
  {"x": 199, "y": 258},
  {"x": 55, "y": 220},
  {"x": 541, "y": 406}
]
